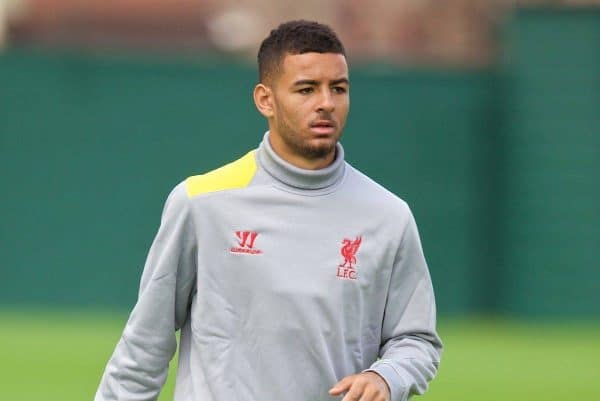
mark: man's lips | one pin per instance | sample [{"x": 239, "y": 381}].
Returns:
[
  {"x": 323, "y": 123},
  {"x": 323, "y": 126}
]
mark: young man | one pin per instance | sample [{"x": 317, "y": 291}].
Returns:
[{"x": 292, "y": 276}]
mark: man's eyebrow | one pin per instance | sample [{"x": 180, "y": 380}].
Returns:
[
  {"x": 306, "y": 82},
  {"x": 313, "y": 82},
  {"x": 340, "y": 81}
]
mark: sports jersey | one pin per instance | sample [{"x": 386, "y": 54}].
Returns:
[{"x": 282, "y": 282}]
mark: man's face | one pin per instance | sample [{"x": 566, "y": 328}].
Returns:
[{"x": 310, "y": 104}]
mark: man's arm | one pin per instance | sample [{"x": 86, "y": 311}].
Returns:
[
  {"x": 138, "y": 367},
  {"x": 411, "y": 349}
]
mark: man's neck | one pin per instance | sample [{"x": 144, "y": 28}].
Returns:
[{"x": 297, "y": 160}]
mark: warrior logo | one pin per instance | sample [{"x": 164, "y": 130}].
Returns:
[
  {"x": 246, "y": 243},
  {"x": 348, "y": 251}
]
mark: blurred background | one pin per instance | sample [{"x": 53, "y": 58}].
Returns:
[{"x": 484, "y": 115}]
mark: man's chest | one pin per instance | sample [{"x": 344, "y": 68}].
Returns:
[{"x": 264, "y": 243}]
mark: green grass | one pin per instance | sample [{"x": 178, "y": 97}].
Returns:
[
  {"x": 60, "y": 356},
  {"x": 516, "y": 361}
]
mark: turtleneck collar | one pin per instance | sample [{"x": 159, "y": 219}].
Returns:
[{"x": 298, "y": 177}]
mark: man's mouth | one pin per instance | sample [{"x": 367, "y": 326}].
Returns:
[{"x": 323, "y": 127}]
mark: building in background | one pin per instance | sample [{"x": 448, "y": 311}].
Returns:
[{"x": 453, "y": 33}]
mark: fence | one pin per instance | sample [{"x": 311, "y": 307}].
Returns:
[{"x": 501, "y": 168}]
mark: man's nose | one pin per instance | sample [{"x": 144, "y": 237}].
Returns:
[{"x": 326, "y": 102}]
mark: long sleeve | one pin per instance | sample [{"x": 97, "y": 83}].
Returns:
[
  {"x": 411, "y": 349},
  {"x": 138, "y": 367}
]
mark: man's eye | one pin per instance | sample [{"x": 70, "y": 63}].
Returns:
[
  {"x": 339, "y": 89},
  {"x": 305, "y": 90}
]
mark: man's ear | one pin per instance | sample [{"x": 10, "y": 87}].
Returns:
[{"x": 263, "y": 99}]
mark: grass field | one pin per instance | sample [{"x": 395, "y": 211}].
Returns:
[{"x": 54, "y": 356}]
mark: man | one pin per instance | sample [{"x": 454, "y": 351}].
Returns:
[{"x": 288, "y": 272}]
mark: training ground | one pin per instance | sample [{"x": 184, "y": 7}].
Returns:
[{"x": 54, "y": 356}]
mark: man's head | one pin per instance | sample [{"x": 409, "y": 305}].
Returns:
[
  {"x": 303, "y": 91},
  {"x": 294, "y": 37}
]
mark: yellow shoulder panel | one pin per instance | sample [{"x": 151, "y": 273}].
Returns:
[{"x": 234, "y": 175}]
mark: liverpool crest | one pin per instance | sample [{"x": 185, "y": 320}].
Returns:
[{"x": 349, "y": 248}]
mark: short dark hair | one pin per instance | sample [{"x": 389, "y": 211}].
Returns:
[{"x": 295, "y": 37}]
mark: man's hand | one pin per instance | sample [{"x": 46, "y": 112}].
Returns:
[{"x": 366, "y": 386}]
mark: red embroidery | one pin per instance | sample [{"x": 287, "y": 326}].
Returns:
[
  {"x": 246, "y": 238},
  {"x": 348, "y": 251},
  {"x": 246, "y": 243}
]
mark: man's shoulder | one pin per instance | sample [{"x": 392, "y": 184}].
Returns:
[
  {"x": 371, "y": 191},
  {"x": 234, "y": 175}
]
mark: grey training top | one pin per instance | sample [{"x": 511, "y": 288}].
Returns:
[{"x": 282, "y": 281}]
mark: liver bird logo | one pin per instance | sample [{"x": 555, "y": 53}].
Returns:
[{"x": 348, "y": 251}]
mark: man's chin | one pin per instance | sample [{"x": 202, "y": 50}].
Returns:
[{"x": 319, "y": 150}]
